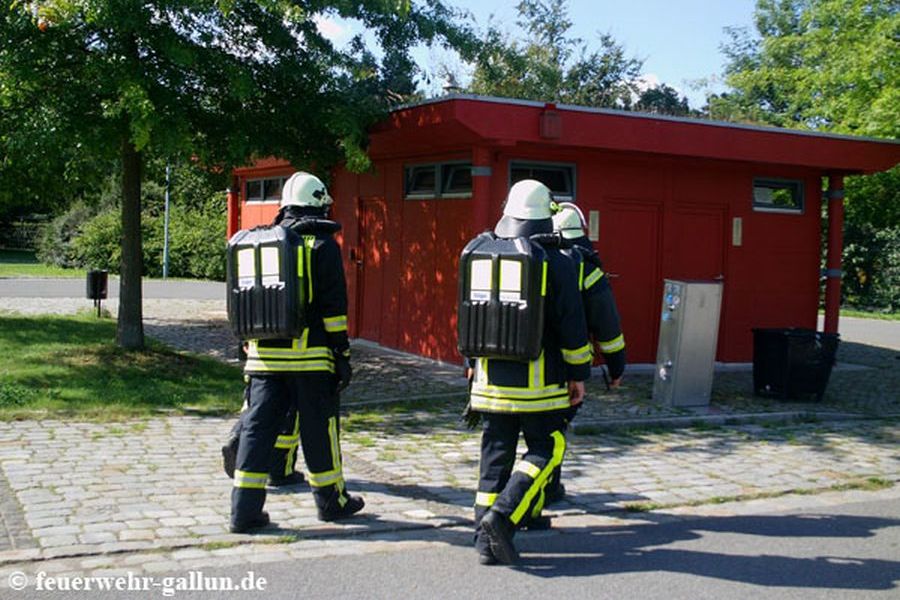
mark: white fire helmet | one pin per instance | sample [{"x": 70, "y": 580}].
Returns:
[
  {"x": 529, "y": 200},
  {"x": 569, "y": 221},
  {"x": 304, "y": 189},
  {"x": 528, "y": 210}
]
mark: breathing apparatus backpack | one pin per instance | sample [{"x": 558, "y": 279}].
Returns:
[
  {"x": 502, "y": 291},
  {"x": 266, "y": 281}
]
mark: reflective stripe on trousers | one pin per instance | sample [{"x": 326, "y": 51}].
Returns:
[{"x": 540, "y": 477}]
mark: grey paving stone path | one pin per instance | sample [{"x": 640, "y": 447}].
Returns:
[{"x": 149, "y": 496}]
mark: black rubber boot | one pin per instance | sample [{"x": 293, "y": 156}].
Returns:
[
  {"x": 247, "y": 526},
  {"x": 333, "y": 511},
  {"x": 499, "y": 533}
]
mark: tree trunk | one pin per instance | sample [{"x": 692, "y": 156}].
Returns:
[{"x": 130, "y": 330}]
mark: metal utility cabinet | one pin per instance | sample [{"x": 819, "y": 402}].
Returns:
[{"x": 688, "y": 335}]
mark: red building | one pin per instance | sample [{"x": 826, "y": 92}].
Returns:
[{"x": 666, "y": 198}]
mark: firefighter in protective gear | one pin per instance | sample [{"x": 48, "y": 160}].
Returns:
[
  {"x": 531, "y": 397},
  {"x": 596, "y": 293},
  {"x": 600, "y": 311},
  {"x": 307, "y": 372}
]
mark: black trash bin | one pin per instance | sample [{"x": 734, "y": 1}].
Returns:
[
  {"x": 792, "y": 363},
  {"x": 97, "y": 281}
]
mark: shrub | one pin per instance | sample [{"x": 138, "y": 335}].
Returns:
[
  {"x": 197, "y": 243},
  {"x": 99, "y": 244},
  {"x": 872, "y": 267},
  {"x": 88, "y": 235},
  {"x": 56, "y": 242}
]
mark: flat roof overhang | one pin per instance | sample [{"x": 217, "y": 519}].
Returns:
[{"x": 462, "y": 120}]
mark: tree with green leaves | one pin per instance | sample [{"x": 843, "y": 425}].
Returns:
[
  {"x": 90, "y": 83},
  {"x": 830, "y": 66},
  {"x": 663, "y": 100},
  {"x": 550, "y": 65}
]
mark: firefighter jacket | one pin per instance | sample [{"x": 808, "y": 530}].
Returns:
[
  {"x": 600, "y": 310},
  {"x": 326, "y": 333},
  {"x": 516, "y": 386}
]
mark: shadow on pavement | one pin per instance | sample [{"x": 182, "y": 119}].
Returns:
[{"x": 642, "y": 548}]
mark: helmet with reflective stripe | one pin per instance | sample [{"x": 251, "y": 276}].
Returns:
[
  {"x": 527, "y": 210},
  {"x": 304, "y": 189},
  {"x": 569, "y": 221}
]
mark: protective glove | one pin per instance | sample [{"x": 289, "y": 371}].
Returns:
[
  {"x": 342, "y": 371},
  {"x": 472, "y": 418}
]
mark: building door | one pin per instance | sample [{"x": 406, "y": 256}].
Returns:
[
  {"x": 629, "y": 248},
  {"x": 371, "y": 262},
  {"x": 694, "y": 247}
]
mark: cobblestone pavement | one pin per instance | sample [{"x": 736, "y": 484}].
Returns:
[
  {"x": 155, "y": 487},
  {"x": 149, "y": 496}
]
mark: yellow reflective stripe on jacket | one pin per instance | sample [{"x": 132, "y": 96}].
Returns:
[
  {"x": 530, "y": 469},
  {"x": 507, "y": 405},
  {"x": 280, "y": 366},
  {"x": 298, "y": 357},
  {"x": 613, "y": 345},
  {"x": 298, "y": 350},
  {"x": 536, "y": 373},
  {"x": 595, "y": 276},
  {"x": 248, "y": 479},
  {"x": 559, "y": 451},
  {"x": 486, "y": 499},
  {"x": 316, "y": 352},
  {"x": 335, "y": 324},
  {"x": 579, "y": 356},
  {"x": 517, "y": 393},
  {"x": 581, "y": 275}
]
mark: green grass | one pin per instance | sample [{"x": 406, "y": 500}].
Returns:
[
  {"x": 22, "y": 263},
  {"x": 870, "y": 484},
  {"x": 70, "y": 366},
  {"x": 884, "y": 316}
]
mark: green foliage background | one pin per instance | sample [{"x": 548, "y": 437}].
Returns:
[
  {"x": 831, "y": 66},
  {"x": 88, "y": 235}
]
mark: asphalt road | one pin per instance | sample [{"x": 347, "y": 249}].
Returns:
[
  {"x": 873, "y": 332},
  {"x": 850, "y": 551},
  {"x": 837, "y": 551},
  {"x": 76, "y": 288}
]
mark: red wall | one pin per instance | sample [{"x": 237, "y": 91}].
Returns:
[
  {"x": 403, "y": 272},
  {"x": 659, "y": 218}
]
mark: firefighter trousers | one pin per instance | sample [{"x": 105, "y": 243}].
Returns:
[
  {"x": 517, "y": 490},
  {"x": 317, "y": 404},
  {"x": 284, "y": 456}
]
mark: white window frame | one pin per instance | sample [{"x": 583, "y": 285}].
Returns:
[
  {"x": 262, "y": 199},
  {"x": 439, "y": 180},
  {"x": 540, "y": 164}
]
